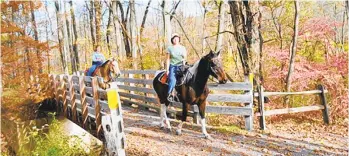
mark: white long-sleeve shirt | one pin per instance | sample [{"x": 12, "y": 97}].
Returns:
[{"x": 98, "y": 57}]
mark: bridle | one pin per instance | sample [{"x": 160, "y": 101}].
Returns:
[{"x": 112, "y": 70}]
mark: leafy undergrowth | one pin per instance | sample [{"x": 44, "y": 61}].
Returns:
[
  {"x": 308, "y": 74},
  {"x": 21, "y": 101},
  {"x": 53, "y": 143}
]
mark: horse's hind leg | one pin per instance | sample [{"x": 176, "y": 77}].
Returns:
[{"x": 163, "y": 118}]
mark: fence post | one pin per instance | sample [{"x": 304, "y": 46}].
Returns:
[
  {"x": 84, "y": 108},
  {"x": 325, "y": 112},
  {"x": 97, "y": 105},
  {"x": 128, "y": 84},
  {"x": 64, "y": 96},
  {"x": 145, "y": 76},
  {"x": 131, "y": 76},
  {"x": 249, "y": 118},
  {"x": 261, "y": 108},
  {"x": 56, "y": 86},
  {"x": 113, "y": 125},
  {"x": 72, "y": 98},
  {"x": 52, "y": 85}
]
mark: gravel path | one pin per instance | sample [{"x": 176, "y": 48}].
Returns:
[{"x": 144, "y": 137}]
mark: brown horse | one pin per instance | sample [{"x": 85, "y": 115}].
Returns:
[
  {"x": 109, "y": 70},
  {"x": 193, "y": 91}
]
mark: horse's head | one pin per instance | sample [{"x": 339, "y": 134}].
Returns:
[
  {"x": 215, "y": 66},
  {"x": 114, "y": 67}
]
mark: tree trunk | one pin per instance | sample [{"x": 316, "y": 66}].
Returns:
[
  {"x": 36, "y": 36},
  {"x": 133, "y": 29},
  {"x": 335, "y": 28},
  {"x": 167, "y": 23},
  {"x": 219, "y": 39},
  {"x": 70, "y": 47},
  {"x": 75, "y": 45},
  {"x": 294, "y": 46},
  {"x": 124, "y": 29},
  {"x": 120, "y": 49},
  {"x": 246, "y": 33},
  {"x": 47, "y": 39},
  {"x": 278, "y": 27},
  {"x": 347, "y": 9},
  {"x": 343, "y": 26},
  {"x": 108, "y": 31},
  {"x": 260, "y": 75},
  {"x": 203, "y": 44},
  {"x": 144, "y": 18},
  {"x": 91, "y": 9},
  {"x": 62, "y": 50},
  {"x": 98, "y": 22},
  {"x": 86, "y": 47}
]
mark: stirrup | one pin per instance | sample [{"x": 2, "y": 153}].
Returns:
[{"x": 170, "y": 98}]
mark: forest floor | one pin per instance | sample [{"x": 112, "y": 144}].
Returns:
[{"x": 144, "y": 137}]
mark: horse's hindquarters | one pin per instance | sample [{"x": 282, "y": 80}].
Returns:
[{"x": 160, "y": 88}]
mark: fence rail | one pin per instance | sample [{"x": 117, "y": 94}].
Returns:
[
  {"x": 82, "y": 100},
  {"x": 262, "y": 112},
  {"x": 140, "y": 92}
]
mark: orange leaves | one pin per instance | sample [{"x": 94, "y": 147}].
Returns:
[
  {"x": 9, "y": 27},
  {"x": 19, "y": 6},
  {"x": 21, "y": 57}
]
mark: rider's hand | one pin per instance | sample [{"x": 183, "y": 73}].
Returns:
[{"x": 166, "y": 72}]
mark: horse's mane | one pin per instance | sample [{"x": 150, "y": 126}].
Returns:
[{"x": 199, "y": 75}]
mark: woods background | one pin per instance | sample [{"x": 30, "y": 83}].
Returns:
[{"x": 287, "y": 45}]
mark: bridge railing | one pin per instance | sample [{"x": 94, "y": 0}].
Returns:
[
  {"x": 80, "y": 99},
  {"x": 137, "y": 89}
]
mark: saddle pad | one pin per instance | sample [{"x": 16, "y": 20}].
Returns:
[{"x": 163, "y": 79}]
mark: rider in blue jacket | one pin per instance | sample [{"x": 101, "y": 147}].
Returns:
[{"x": 97, "y": 59}]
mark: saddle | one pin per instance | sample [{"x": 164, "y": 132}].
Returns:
[{"x": 181, "y": 75}]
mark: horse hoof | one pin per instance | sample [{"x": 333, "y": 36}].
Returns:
[
  {"x": 162, "y": 127},
  {"x": 207, "y": 136},
  {"x": 168, "y": 130},
  {"x": 178, "y": 132}
]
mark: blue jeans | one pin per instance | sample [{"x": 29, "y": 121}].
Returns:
[
  {"x": 93, "y": 68},
  {"x": 172, "y": 78}
]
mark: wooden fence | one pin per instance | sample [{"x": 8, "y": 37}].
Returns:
[
  {"x": 84, "y": 103},
  {"x": 137, "y": 89},
  {"x": 262, "y": 112}
]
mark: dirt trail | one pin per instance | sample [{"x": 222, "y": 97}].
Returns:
[{"x": 144, "y": 137}]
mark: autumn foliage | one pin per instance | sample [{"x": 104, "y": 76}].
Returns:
[{"x": 23, "y": 79}]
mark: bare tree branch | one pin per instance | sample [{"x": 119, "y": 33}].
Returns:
[
  {"x": 144, "y": 18},
  {"x": 179, "y": 23},
  {"x": 226, "y": 31},
  {"x": 174, "y": 10}
]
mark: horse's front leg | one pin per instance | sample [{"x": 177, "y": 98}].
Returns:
[
  {"x": 202, "y": 107},
  {"x": 184, "y": 117},
  {"x": 104, "y": 85}
]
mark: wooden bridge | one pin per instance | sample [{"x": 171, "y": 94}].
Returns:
[{"x": 80, "y": 99}]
